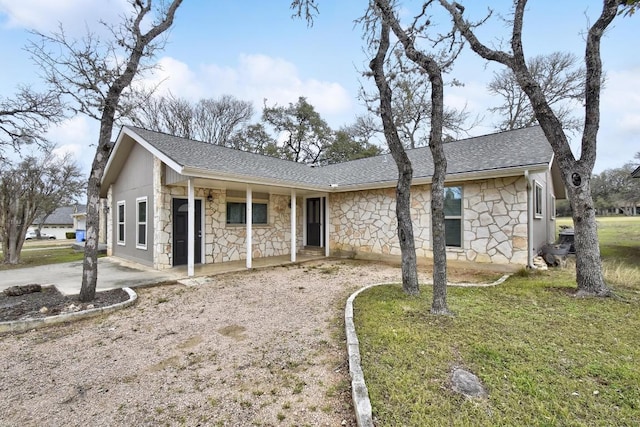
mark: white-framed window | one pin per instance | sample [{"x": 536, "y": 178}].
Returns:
[
  {"x": 120, "y": 221},
  {"x": 552, "y": 206},
  {"x": 453, "y": 216},
  {"x": 237, "y": 213},
  {"x": 141, "y": 223},
  {"x": 537, "y": 200}
]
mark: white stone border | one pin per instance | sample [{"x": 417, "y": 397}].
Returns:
[
  {"x": 28, "y": 324},
  {"x": 359, "y": 391}
]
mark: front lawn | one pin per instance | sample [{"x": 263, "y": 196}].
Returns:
[
  {"x": 36, "y": 257},
  {"x": 546, "y": 357}
]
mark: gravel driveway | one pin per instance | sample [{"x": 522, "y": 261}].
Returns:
[{"x": 258, "y": 348}]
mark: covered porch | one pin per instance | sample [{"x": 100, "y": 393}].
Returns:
[{"x": 219, "y": 225}]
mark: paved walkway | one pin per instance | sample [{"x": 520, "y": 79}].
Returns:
[
  {"x": 117, "y": 273},
  {"x": 67, "y": 277}
]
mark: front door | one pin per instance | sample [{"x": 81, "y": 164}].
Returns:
[
  {"x": 314, "y": 221},
  {"x": 181, "y": 231}
]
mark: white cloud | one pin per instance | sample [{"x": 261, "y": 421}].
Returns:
[
  {"x": 44, "y": 15},
  {"x": 175, "y": 76},
  {"x": 254, "y": 78},
  {"x": 619, "y": 135},
  {"x": 77, "y": 136}
]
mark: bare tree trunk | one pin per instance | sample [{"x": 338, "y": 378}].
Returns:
[
  {"x": 90, "y": 262},
  {"x": 588, "y": 265},
  {"x": 439, "y": 303},
  {"x": 431, "y": 67},
  {"x": 405, "y": 171},
  {"x": 140, "y": 43},
  {"x": 405, "y": 227},
  {"x": 575, "y": 173}
]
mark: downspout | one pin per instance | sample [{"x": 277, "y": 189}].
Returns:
[{"x": 529, "y": 221}]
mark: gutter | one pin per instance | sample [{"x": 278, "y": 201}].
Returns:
[{"x": 529, "y": 220}]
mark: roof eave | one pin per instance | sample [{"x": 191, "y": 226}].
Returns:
[
  {"x": 245, "y": 179},
  {"x": 451, "y": 177}
]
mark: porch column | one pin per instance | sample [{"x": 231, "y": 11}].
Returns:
[
  {"x": 191, "y": 225},
  {"x": 294, "y": 246},
  {"x": 249, "y": 222},
  {"x": 326, "y": 226}
]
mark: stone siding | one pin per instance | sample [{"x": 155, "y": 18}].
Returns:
[
  {"x": 222, "y": 242},
  {"x": 494, "y": 221}
]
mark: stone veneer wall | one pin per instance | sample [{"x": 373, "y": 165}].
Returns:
[
  {"x": 494, "y": 221},
  {"x": 223, "y": 242}
]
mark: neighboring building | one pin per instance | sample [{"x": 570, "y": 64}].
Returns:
[
  {"x": 174, "y": 201},
  {"x": 58, "y": 223},
  {"x": 636, "y": 173}
]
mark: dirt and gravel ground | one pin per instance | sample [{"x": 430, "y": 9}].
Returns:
[
  {"x": 258, "y": 348},
  {"x": 48, "y": 301}
]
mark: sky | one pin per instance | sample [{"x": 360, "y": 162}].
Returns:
[{"x": 255, "y": 51}]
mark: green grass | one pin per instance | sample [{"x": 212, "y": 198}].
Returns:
[
  {"x": 619, "y": 238},
  {"x": 546, "y": 357},
  {"x": 44, "y": 257}
]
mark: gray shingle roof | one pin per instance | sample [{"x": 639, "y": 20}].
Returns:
[
  {"x": 214, "y": 158},
  {"x": 62, "y": 215},
  {"x": 512, "y": 149}
]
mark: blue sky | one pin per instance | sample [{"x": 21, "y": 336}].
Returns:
[{"x": 252, "y": 49}]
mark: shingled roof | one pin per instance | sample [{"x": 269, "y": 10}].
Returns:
[
  {"x": 522, "y": 148},
  {"x": 62, "y": 215},
  {"x": 483, "y": 155}
]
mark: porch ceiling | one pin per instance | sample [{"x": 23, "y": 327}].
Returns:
[{"x": 239, "y": 186}]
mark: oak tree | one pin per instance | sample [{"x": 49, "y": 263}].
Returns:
[
  {"x": 95, "y": 74},
  {"x": 35, "y": 185},
  {"x": 576, "y": 172}
]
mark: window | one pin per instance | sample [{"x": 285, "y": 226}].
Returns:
[
  {"x": 120, "y": 221},
  {"x": 141, "y": 223},
  {"x": 537, "y": 201},
  {"x": 552, "y": 207},
  {"x": 453, "y": 216},
  {"x": 237, "y": 213}
]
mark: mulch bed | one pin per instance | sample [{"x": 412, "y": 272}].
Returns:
[{"x": 32, "y": 305}]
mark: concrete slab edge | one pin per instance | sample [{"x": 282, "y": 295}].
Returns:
[
  {"x": 26, "y": 325},
  {"x": 359, "y": 391}
]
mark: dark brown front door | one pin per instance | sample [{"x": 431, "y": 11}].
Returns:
[
  {"x": 181, "y": 231},
  {"x": 314, "y": 221}
]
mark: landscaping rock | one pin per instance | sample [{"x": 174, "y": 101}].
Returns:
[
  {"x": 466, "y": 383},
  {"x": 16, "y": 291}
]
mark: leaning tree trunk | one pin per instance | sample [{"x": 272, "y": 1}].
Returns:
[
  {"x": 439, "y": 303},
  {"x": 90, "y": 263},
  {"x": 575, "y": 173},
  {"x": 140, "y": 44},
  {"x": 405, "y": 228},
  {"x": 433, "y": 70},
  {"x": 588, "y": 263},
  {"x": 405, "y": 171}
]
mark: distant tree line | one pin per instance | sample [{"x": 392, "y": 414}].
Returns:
[
  {"x": 293, "y": 132},
  {"x": 614, "y": 191}
]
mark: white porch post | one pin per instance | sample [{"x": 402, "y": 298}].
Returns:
[
  {"x": 326, "y": 226},
  {"x": 249, "y": 225},
  {"x": 294, "y": 245},
  {"x": 191, "y": 225}
]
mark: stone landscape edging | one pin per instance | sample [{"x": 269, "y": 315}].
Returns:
[
  {"x": 359, "y": 391},
  {"x": 28, "y": 324}
]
